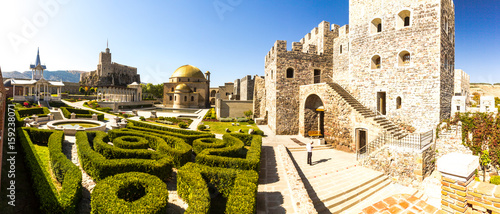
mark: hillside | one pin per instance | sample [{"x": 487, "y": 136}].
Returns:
[
  {"x": 485, "y": 89},
  {"x": 65, "y": 76}
]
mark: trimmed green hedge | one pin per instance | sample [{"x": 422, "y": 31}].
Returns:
[
  {"x": 68, "y": 174},
  {"x": 131, "y": 142},
  {"x": 81, "y": 113},
  {"x": 204, "y": 143},
  {"x": 232, "y": 156},
  {"x": 238, "y": 186},
  {"x": 175, "y": 147},
  {"x": 97, "y": 166},
  {"x": 28, "y": 112},
  {"x": 132, "y": 192},
  {"x": 187, "y": 135}
]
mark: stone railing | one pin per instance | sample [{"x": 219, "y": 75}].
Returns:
[
  {"x": 460, "y": 193},
  {"x": 301, "y": 201}
]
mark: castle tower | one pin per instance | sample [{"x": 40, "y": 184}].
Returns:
[
  {"x": 401, "y": 59},
  {"x": 104, "y": 67},
  {"x": 37, "y": 68}
]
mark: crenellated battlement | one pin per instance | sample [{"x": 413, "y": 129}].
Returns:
[{"x": 280, "y": 46}]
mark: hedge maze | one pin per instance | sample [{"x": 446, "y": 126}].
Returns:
[{"x": 131, "y": 167}]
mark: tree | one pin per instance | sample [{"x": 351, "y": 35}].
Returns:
[
  {"x": 476, "y": 97},
  {"x": 81, "y": 90},
  {"x": 92, "y": 90},
  {"x": 248, "y": 113},
  {"x": 485, "y": 160}
]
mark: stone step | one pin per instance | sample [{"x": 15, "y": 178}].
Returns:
[
  {"x": 359, "y": 197},
  {"x": 345, "y": 186}
]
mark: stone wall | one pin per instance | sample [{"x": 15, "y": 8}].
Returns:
[
  {"x": 407, "y": 167},
  {"x": 246, "y": 88},
  {"x": 232, "y": 108},
  {"x": 340, "y": 119},
  {"x": 70, "y": 87},
  {"x": 462, "y": 83},
  {"x": 259, "y": 101}
]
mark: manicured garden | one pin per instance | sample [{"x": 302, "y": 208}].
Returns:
[{"x": 131, "y": 167}]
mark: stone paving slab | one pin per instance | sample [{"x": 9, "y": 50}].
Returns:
[{"x": 401, "y": 203}]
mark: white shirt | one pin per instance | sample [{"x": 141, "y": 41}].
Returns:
[{"x": 309, "y": 147}]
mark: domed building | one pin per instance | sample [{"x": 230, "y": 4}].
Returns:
[{"x": 188, "y": 87}]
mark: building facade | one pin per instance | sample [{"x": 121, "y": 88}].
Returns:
[
  {"x": 188, "y": 87},
  {"x": 37, "y": 88},
  {"x": 395, "y": 59}
]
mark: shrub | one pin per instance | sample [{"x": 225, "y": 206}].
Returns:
[
  {"x": 99, "y": 167},
  {"x": 131, "y": 142},
  {"x": 202, "y": 127},
  {"x": 183, "y": 125},
  {"x": 242, "y": 119},
  {"x": 227, "y": 119},
  {"x": 132, "y": 192},
  {"x": 186, "y": 135},
  {"x": 248, "y": 113},
  {"x": 204, "y": 143},
  {"x": 251, "y": 122},
  {"x": 238, "y": 186},
  {"x": 233, "y": 155},
  {"x": 495, "y": 180},
  {"x": 142, "y": 118},
  {"x": 69, "y": 175},
  {"x": 258, "y": 132},
  {"x": 80, "y": 113}
]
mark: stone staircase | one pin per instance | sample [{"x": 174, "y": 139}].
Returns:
[
  {"x": 43, "y": 103},
  {"x": 348, "y": 192},
  {"x": 386, "y": 124}
]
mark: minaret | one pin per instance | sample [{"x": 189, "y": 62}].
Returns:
[
  {"x": 37, "y": 68},
  {"x": 207, "y": 91}
]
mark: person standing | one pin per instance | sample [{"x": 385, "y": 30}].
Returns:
[{"x": 309, "y": 153}]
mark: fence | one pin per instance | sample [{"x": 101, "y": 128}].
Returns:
[{"x": 416, "y": 141}]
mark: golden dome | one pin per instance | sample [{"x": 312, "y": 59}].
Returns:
[
  {"x": 182, "y": 88},
  {"x": 188, "y": 71}
]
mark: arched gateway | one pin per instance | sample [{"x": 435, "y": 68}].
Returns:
[{"x": 314, "y": 117}]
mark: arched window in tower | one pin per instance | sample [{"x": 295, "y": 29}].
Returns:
[
  {"x": 289, "y": 73},
  {"x": 172, "y": 89},
  {"x": 170, "y": 98},
  {"x": 376, "y": 26},
  {"x": 340, "y": 49},
  {"x": 192, "y": 98},
  {"x": 175, "y": 98},
  {"x": 403, "y": 19},
  {"x": 188, "y": 79},
  {"x": 317, "y": 76},
  {"x": 185, "y": 98},
  {"x": 376, "y": 62},
  {"x": 272, "y": 76},
  {"x": 398, "y": 103},
  {"x": 194, "y": 89},
  {"x": 404, "y": 59}
]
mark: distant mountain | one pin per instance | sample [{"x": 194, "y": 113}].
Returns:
[{"x": 65, "y": 76}]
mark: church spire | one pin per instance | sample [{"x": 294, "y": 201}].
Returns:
[{"x": 37, "y": 62}]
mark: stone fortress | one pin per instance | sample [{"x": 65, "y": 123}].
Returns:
[
  {"x": 110, "y": 73},
  {"x": 117, "y": 85},
  {"x": 394, "y": 60},
  {"x": 188, "y": 87}
]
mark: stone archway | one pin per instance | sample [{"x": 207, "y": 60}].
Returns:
[{"x": 314, "y": 121}]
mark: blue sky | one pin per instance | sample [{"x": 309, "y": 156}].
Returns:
[{"x": 159, "y": 36}]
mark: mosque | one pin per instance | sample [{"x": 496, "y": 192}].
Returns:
[{"x": 188, "y": 87}]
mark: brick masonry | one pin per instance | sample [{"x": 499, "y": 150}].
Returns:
[{"x": 469, "y": 197}]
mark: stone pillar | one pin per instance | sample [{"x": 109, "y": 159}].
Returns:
[
  {"x": 117, "y": 119},
  {"x": 35, "y": 118},
  {"x": 73, "y": 115},
  {"x": 457, "y": 173},
  {"x": 94, "y": 116},
  {"x": 135, "y": 112},
  {"x": 51, "y": 116},
  {"x": 153, "y": 114}
]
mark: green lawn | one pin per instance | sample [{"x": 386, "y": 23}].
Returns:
[
  {"x": 43, "y": 153},
  {"x": 220, "y": 127}
]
